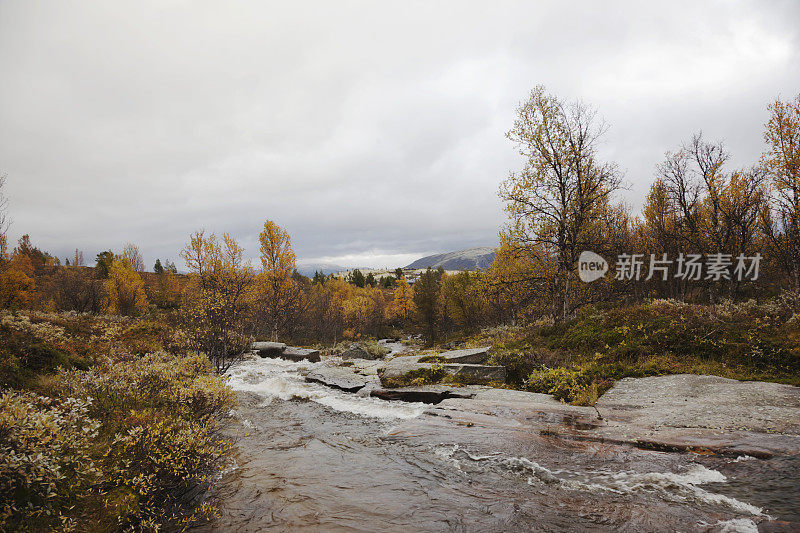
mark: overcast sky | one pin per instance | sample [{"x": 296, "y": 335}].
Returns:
[{"x": 372, "y": 131}]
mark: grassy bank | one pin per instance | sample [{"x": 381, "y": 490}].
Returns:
[
  {"x": 106, "y": 423},
  {"x": 580, "y": 359}
]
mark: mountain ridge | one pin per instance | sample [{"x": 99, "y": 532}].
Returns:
[{"x": 476, "y": 258}]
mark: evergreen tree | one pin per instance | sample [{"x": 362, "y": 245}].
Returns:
[
  {"x": 357, "y": 278},
  {"x": 157, "y": 268},
  {"x": 426, "y": 300},
  {"x": 104, "y": 262}
]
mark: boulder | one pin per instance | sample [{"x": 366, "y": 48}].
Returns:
[
  {"x": 299, "y": 354},
  {"x": 400, "y": 366},
  {"x": 268, "y": 349},
  {"x": 341, "y": 377},
  {"x": 357, "y": 352},
  {"x": 425, "y": 394},
  {"x": 469, "y": 355}
]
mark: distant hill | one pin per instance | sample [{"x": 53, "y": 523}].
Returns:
[
  {"x": 479, "y": 258},
  {"x": 308, "y": 269}
]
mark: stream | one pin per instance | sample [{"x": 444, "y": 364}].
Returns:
[{"x": 319, "y": 459}]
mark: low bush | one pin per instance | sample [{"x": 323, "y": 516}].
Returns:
[
  {"x": 112, "y": 439},
  {"x": 47, "y": 461}
]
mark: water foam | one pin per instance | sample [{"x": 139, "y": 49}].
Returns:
[
  {"x": 276, "y": 378},
  {"x": 737, "y": 525},
  {"x": 682, "y": 486}
]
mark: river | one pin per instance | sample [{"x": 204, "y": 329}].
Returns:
[{"x": 318, "y": 459}]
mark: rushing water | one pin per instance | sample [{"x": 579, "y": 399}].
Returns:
[{"x": 315, "y": 458}]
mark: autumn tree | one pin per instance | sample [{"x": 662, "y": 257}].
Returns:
[
  {"x": 403, "y": 301},
  {"x": 5, "y": 220},
  {"x": 782, "y": 165},
  {"x": 427, "y": 300},
  {"x": 463, "y": 299},
  {"x": 324, "y": 312},
  {"x": 165, "y": 292},
  {"x": 133, "y": 256},
  {"x": 217, "y": 300},
  {"x": 697, "y": 207},
  {"x": 279, "y": 295},
  {"x": 516, "y": 280},
  {"x": 76, "y": 289},
  {"x": 556, "y": 201},
  {"x": 16, "y": 288},
  {"x": 125, "y": 289},
  {"x": 77, "y": 259},
  {"x": 16, "y": 270},
  {"x": 363, "y": 311}
]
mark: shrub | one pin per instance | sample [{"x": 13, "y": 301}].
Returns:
[
  {"x": 46, "y": 464},
  {"x": 563, "y": 383},
  {"x": 159, "y": 413}
]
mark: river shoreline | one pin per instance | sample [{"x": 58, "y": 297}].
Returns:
[{"x": 316, "y": 458}]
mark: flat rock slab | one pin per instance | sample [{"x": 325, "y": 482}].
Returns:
[
  {"x": 483, "y": 373},
  {"x": 299, "y": 354},
  {"x": 266, "y": 349},
  {"x": 341, "y": 377},
  {"x": 670, "y": 413},
  {"x": 400, "y": 366},
  {"x": 470, "y": 355},
  {"x": 711, "y": 402},
  {"x": 365, "y": 367},
  {"x": 425, "y": 394}
]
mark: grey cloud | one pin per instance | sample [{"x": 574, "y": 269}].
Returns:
[{"x": 366, "y": 129}]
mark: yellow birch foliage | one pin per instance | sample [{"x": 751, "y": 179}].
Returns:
[
  {"x": 403, "y": 301},
  {"x": 279, "y": 294},
  {"x": 125, "y": 289}
]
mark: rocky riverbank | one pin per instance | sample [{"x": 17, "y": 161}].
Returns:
[
  {"x": 705, "y": 414},
  {"x": 326, "y": 446}
]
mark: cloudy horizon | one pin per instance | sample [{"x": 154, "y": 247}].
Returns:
[{"x": 372, "y": 132}]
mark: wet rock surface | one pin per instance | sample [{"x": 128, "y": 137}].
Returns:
[
  {"x": 711, "y": 402},
  {"x": 313, "y": 457},
  {"x": 357, "y": 352},
  {"x": 268, "y": 349},
  {"x": 299, "y": 354},
  {"x": 399, "y": 367},
  {"x": 280, "y": 349},
  {"x": 470, "y": 355},
  {"x": 431, "y": 394},
  {"x": 341, "y": 377},
  {"x": 669, "y": 413}
]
